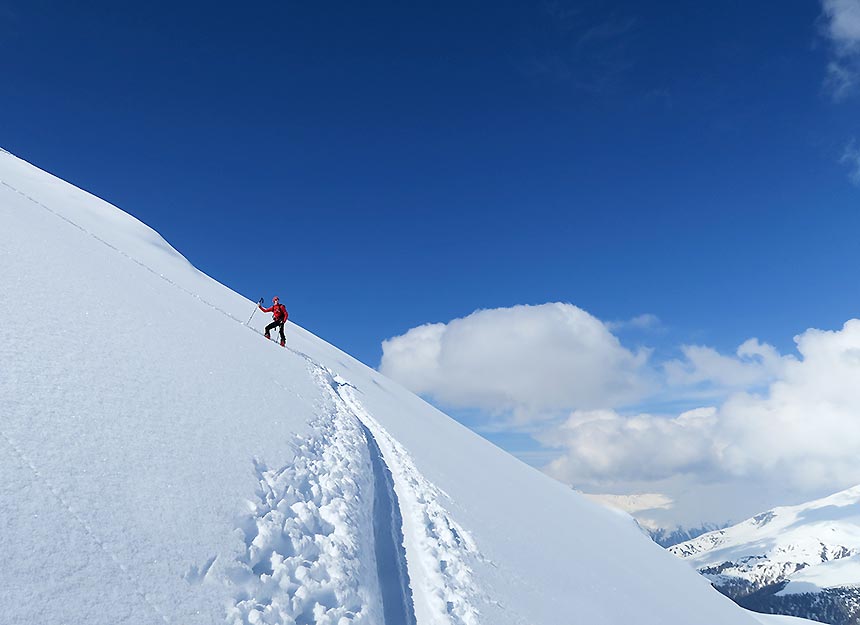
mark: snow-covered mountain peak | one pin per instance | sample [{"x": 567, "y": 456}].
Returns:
[
  {"x": 163, "y": 462},
  {"x": 769, "y": 560},
  {"x": 813, "y": 530}
]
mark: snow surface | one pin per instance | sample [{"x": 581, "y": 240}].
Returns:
[
  {"x": 162, "y": 462},
  {"x": 833, "y": 574},
  {"x": 814, "y": 545},
  {"x": 778, "y": 619}
]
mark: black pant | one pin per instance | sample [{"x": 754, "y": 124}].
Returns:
[{"x": 277, "y": 324}]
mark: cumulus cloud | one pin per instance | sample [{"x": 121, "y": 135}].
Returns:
[
  {"x": 803, "y": 431},
  {"x": 536, "y": 362},
  {"x": 753, "y": 365},
  {"x": 842, "y": 29},
  {"x": 807, "y": 427},
  {"x": 603, "y": 445},
  {"x": 527, "y": 361}
]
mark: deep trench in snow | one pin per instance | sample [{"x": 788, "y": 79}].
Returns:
[{"x": 388, "y": 541}]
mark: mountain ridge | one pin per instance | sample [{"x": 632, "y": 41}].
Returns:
[{"x": 801, "y": 560}]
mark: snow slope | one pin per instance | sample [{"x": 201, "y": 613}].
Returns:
[
  {"x": 162, "y": 462},
  {"x": 777, "y": 619},
  {"x": 772, "y": 558},
  {"x": 842, "y": 573},
  {"x": 772, "y": 545}
]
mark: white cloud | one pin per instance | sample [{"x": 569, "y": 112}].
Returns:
[
  {"x": 806, "y": 429},
  {"x": 804, "y": 432},
  {"x": 842, "y": 28},
  {"x": 637, "y": 502},
  {"x": 753, "y": 365},
  {"x": 413, "y": 359},
  {"x": 640, "y": 322},
  {"x": 536, "y": 362},
  {"x": 602, "y": 445},
  {"x": 529, "y": 361},
  {"x": 851, "y": 157}
]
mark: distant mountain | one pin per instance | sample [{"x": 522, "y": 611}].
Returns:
[
  {"x": 669, "y": 537},
  {"x": 799, "y": 560}
]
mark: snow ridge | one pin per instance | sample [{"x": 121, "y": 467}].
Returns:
[{"x": 121, "y": 252}]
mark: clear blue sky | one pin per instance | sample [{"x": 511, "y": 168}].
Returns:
[{"x": 385, "y": 164}]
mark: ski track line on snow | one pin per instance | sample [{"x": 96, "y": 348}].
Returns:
[
  {"x": 388, "y": 544},
  {"x": 83, "y": 524},
  {"x": 309, "y": 536},
  {"x": 443, "y": 545},
  {"x": 303, "y": 566},
  {"x": 119, "y": 251},
  {"x": 397, "y": 604}
]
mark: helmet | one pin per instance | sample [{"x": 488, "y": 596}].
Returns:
[{"x": 275, "y": 299}]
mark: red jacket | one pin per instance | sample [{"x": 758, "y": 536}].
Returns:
[{"x": 279, "y": 312}]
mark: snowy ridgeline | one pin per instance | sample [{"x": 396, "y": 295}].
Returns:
[
  {"x": 800, "y": 560},
  {"x": 670, "y": 537},
  {"x": 162, "y": 462}
]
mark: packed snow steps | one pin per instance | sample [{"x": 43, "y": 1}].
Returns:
[
  {"x": 327, "y": 536},
  {"x": 309, "y": 537}
]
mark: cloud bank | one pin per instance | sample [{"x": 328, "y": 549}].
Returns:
[
  {"x": 804, "y": 430},
  {"x": 543, "y": 362},
  {"x": 766, "y": 420}
]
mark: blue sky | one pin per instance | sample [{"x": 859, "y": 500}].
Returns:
[
  {"x": 382, "y": 165},
  {"x": 385, "y": 165}
]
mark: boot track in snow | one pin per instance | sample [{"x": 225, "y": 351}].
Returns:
[{"x": 327, "y": 542}]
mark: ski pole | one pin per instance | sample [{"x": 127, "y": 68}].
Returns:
[{"x": 260, "y": 303}]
